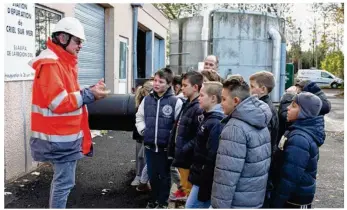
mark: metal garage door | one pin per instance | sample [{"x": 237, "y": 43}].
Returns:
[{"x": 91, "y": 61}]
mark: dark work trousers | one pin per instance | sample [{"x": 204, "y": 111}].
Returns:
[{"x": 158, "y": 167}]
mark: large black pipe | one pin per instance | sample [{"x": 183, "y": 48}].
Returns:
[{"x": 115, "y": 112}]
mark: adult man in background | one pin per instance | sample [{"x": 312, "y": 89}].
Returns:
[
  {"x": 59, "y": 117},
  {"x": 211, "y": 63}
]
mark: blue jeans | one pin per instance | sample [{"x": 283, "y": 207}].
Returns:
[
  {"x": 193, "y": 202},
  {"x": 62, "y": 183},
  {"x": 158, "y": 168}
]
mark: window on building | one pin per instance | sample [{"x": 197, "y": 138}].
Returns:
[
  {"x": 123, "y": 56},
  {"x": 45, "y": 21}
]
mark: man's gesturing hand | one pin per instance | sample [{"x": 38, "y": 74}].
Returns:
[{"x": 99, "y": 90}]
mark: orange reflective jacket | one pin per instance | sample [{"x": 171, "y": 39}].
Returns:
[{"x": 59, "y": 120}]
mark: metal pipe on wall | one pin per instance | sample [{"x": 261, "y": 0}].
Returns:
[
  {"x": 135, "y": 7},
  {"x": 283, "y": 59},
  {"x": 205, "y": 34},
  {"x": 276, "y": 61},
  {"x": 283, "y": 66}
]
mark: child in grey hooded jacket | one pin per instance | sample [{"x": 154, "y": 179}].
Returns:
[{"x": 244, "y": 152}]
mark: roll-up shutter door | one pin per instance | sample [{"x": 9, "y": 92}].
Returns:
[{"x": 91, "y": 59}]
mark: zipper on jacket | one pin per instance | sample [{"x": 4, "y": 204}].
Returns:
[{"x": 156, "y": 126}]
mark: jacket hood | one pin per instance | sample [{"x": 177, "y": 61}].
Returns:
[
  {"x": 265, "y": 98},
  {"x": 168, "y": 93},
  {"x": 312, "y": 87},
  {"x": 253, "y": 111},
  {"x": 217, "y": 108},
  {"x": 181, "y": 96},
  {"x": 188, "y": 103},
  {"x": 312, "y": 126},
  {"x": 287, "y": 98},
  {"x": 51, "y": 55},
  {"x": 216, "y": 112}
]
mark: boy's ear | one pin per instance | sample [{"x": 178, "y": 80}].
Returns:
[
  {"x": 196, "y": 87},
  {"x": 214, "y": 98},
  {"x": 264, "y": 89},
  {"x": 236, "y": 100}
]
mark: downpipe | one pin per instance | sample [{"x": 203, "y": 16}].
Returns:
[
  {"x": 135, "y": 7},
  {"x": 283, "y": 66},
  {"x": 205, "y": 32},
  {"x": 276, "y": 62}
]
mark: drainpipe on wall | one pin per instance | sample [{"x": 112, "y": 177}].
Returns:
[
  {"x": 276, "y": 62},
  {"x": 135, "y": 7},
  {"x": 283, "y": 65}
]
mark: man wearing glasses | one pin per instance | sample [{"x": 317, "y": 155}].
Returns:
[{"x": 59, "y": 117}]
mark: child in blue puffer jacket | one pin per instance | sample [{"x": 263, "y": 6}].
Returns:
[{"x": 297, "y": 157}]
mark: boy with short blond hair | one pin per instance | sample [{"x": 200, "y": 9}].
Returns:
[
  {"x": 155, "y": 118},
  {"x": 264, "y": 79},
  {"x": 261, "y": 84},
  {"x": 212, "y": 88},
  {"x": 206, "y": 146}
]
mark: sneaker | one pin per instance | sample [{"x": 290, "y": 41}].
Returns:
[
  {"x": 151, "y": 205},
  {"x": 136, "y": 181},
  {"x": 160, "y": 206},
  {"x": 179, "y": 195},
  {"x": 143, "y": 187}
]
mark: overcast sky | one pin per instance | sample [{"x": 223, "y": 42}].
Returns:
[
  {"x": 301, "y": 12},
  {"x": 304, "y": 17}
]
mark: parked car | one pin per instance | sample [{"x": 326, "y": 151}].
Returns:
[{"x": 321, "y": 77}]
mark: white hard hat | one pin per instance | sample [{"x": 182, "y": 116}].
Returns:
[{"x": 70, "y": 25}]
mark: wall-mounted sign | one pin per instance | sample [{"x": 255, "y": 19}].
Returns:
[{"x": 19, "y": 41}]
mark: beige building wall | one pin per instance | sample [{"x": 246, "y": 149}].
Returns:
[
  {"x": 17, "y": 109},
  {"x": 123, "y": 28},
  {"x": 149, "y": 17},
  {"x": 154, "y": 20},
  {"x": 17, "y": 96}
]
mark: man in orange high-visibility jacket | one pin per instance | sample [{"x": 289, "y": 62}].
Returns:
[{"x": 59, "y": 117}]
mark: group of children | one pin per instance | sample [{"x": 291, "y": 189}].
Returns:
[{"x": 220, "y": 141}]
